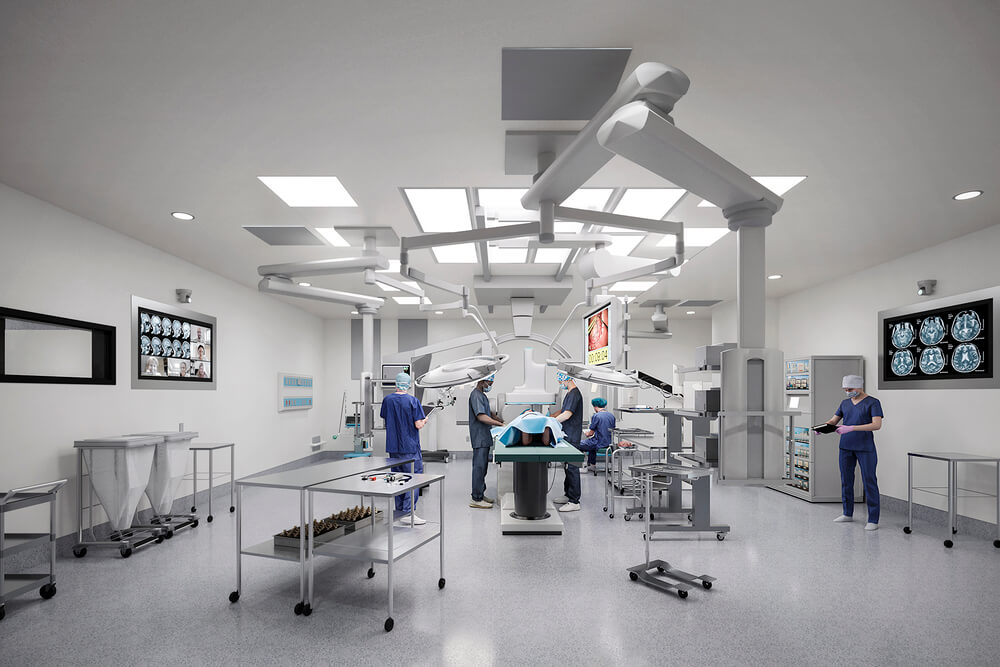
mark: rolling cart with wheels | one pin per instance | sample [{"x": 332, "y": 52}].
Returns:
[
  {"x": 211, "y": 448},
  {"x": 15, "y": 584},
  {"x": 117, "y": 469},
  {"x": 164, "y": 479}
]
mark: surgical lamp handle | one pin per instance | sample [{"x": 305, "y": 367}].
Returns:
[{"x": 478, "y": 317}]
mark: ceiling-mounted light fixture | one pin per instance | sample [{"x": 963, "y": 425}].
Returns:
[
  {"x": 926, "y": 287},
  {"x": 305, "y": 284},
  {"x": 775, "y": 276},
  {"x": 969, "y": 194},
  {"x": 181, "y": 215}
]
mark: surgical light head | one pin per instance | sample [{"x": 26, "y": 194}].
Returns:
[
  {"x": 403, "y": 381},
  {"x": 599, "y": 402}
]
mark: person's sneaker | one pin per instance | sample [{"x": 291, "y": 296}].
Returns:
[
  {"x": 481, "y": 504},
  {"x": 417, "y": 521},
  {"x": 570, "y": 507},
  {"x": 592, "y": 468},
  {"x": 843, "y": 518},
  {"x": 561, "y": 500},
  {"x": 871, "y": 526},
  {"x": 489, "y": 500}
]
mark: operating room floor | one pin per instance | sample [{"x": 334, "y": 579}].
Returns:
[{"x": 793, "y": 588}]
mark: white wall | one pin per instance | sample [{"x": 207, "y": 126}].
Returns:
[
  {"x": 724, "y": 323},
  {"x": 841, "y": 317},
  {"x": 59, "y": 264}
]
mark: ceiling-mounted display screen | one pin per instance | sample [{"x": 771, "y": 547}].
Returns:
[
  {"x": 597, "y": 336},
  {"x": 174, "y": 347},
  {"x": 947, "y": 345}
]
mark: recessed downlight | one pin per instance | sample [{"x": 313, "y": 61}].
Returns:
[
  {"x": 971, "y": 194},
  {"x": 354, "y": 312},
  {"x": 775, "y": 276},
  {"x": 181, "y": 215},
  {"x": 690, "y": 312},
  {"x": 305, "y": 284},
  {"x": 439, "y": 312}
]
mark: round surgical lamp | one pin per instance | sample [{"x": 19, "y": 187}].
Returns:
[
  {"x": 462, "y": 371},
  {"x": 595, "y": 374}
]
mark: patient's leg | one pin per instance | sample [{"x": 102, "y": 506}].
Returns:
[
  {"x": 525, "y": 438},
  {"x": 547, "y": 437}
]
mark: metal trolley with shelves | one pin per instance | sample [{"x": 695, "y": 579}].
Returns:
[
  {"x": 14, "y": 584},
  {"x": 812, "y": 462},
  {"x": 212, "y": 474}
]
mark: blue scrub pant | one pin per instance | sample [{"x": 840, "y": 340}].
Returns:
[
  {"x": 867, "y": 461},
  {"x": 480, "y": 460},
  {"x": 590, "y": 446},
  {"x": 403, "y": 502},
  {"x": 571, "y": 485}
]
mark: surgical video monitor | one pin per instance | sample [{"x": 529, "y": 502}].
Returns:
[
  {"x": 603, "y": 334},
  {"x": 173, "y": 347}
]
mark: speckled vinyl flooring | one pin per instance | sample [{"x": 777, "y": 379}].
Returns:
[{"x": 793, "y": 588}]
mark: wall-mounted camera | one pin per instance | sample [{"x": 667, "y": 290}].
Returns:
[
  {"x": 926, "y": 287},
  {"x": 183, "y": 296}
]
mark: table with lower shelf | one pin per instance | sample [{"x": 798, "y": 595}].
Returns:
[{"x": 952, "y": 491}]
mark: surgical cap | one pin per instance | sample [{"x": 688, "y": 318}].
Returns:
[
  {"x": 599, "y": 402},
  {"x": 853, "y": 382},
  {"x": 403, "y": 381},
  {"x": 561, "y": 377}
]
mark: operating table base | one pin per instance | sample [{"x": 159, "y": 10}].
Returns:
[{"x": 658, "y": 574}]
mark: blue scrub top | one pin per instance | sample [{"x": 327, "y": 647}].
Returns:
[
  {"x": 573, "y": 427},
  {"x": 601, "y": 424},
  {"x": 859, "y": 415},
  {"x": 399, "y": 412},
  {"x": 479, "y": 433}
]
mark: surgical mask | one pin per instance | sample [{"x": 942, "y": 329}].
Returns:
[
  {"x": 486, "y": 388},
  {"x": 853, "y": 394}
]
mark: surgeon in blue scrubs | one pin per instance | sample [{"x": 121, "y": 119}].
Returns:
[
  {"x": 404, "y": 417},
  {"x": 861, "y": 415},
  {"x": 598, "y": 432},
  {"x": 571, "y": 418},
  {"x": 480, "y": 421}
]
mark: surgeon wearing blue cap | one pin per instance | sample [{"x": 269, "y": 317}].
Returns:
[
  {"x": 480, "y": 421},
  {"x": 571, "y": 418},
  {"x": 404, "y": 417}
]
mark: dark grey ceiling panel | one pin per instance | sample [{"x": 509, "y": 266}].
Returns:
[
  {"x": 698, "y": 303},
  {"x": 285, "y": 235},
  {"x": 653, "y": 303},
  {"x": 558, "y": 84}
]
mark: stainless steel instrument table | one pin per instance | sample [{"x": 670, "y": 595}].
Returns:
[
  {"x": 14, "y": 584},
  {"x": 953, "y": 492},
  {"x": 211, "y": 448},
  {"x": 382, "y": 544}
]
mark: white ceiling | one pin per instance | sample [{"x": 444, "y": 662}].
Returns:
[{"x": 124, "y": 112}]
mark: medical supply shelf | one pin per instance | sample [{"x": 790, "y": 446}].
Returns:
[
  {"x": 812, "y": 460},
  {"x": 211, "y": 448},
  {"x": 952, "y": 491},
  {"x": 386, "y": 543},
  {"x": 300, "y": 480},
  {"x": 13, "y": 584}
]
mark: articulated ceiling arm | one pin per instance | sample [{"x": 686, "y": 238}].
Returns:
[
  {"x": 371, "y": 277},
  {"x": 632, "y": 274},
  {"x": 285, "y": 287},
  {"x": 324, "y": 267}
]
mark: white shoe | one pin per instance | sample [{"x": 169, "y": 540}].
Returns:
[
  {"x": 843, "y": 518},
  {"x": 481, "y": 504},
  {"x": 489, "y": 500},
  {"x": 561, "y": 500},
  {"x": 417, "y": 521},
  {"x": 871, "y": 526},
  {"x": 570, "y": 507}
]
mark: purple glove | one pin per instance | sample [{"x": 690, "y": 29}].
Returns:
[{"x": 844, "y": 429}]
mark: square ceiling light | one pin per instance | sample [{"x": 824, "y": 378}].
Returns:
[
  {"x": 551, "y": 255},
  {"x": 464, "y": 253},
  {"x": 440, "y": 209},
  {"x": 591, "y": 199},
  {"x": 309, "y": 191},
  {"x": 503, "y": 205},
  {"x": 563, "y": 227},
  {"x": 394, "y": 266},
  {"x": 508, "y": 255},
  {"x": 333, "y": 237},
  {"x": 623, "y": 245},
  {"x": 649, "y": 203},
  {"x": 407, "y": 300},
  {"x": 632, "y": 285},
  {"x": 697, "y": 237},
  {"x": 779, "y": 185}
]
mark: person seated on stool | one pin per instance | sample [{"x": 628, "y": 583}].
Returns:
[
  {"x": 571, "y": 418},
  {"x": 598, "y": 433},
  {"x": 862, "y": 414}
]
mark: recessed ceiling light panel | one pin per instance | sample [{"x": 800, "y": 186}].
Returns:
[
  {"x": 649, "y": 203},
  {"x": 622, "y": 245},
  {"x": 309, "y": 191},
  {"x": 407, "y": 300},
  {"x": 508, "y": 255},
  {"x": 333, "y": 237},
  {"x": 774, "y": 276},
  {"x": 464, "y": 253},
  {"x": 181, "y": 215},
  {"x": 551, "y": 255},
  {"x": 591, "y": 199},
  {"x": 440, "y": 209}
]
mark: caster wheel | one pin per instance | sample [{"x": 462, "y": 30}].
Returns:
[
  {"x": 907, "y": 530},
  {"x": 194, "y": 509},
  {"x": 682, "y": 594},
  {"x": 605, "y": 509},
  {"x": 209, "y": 518},
  {"x": 234, "y": 596},
  {"x": 388, "y": 624},
  {"x": 949, "y": 544},
  {"x": 660, "y": 569},
  {"x": 644, "y": 537},
  {"x": 996, "y": 543},
  {"x": 611, "y": 516},
  {"x": 651, "y": 516},
  {"x": 194, "y": 524},
  {"x": 720, "y": 536},
  {"x": 299, "y": 607},
  {"x": 3, "y": 612},
  {"x": 159, "y": 539},
  {"x": 80, "y": 553},
  {"x": 633, "y": 576},
  {"x": 231, "y": 509},
  {"x": 640, "y": 516},
  {"x": 371, "y": 572},
  {"x": 706, "y": 585},
  {"x": 954, "y": 531},
  {"x": 307, "y": 610},
  {"x": 170, "y": 534},
  {"x": 47, "y": 591},
  {"x": 125, "y": 552},
  {"x": 441, "y": 582},
  {"x": 628, "y": 517},
  {"x": 689, "y": 517}
]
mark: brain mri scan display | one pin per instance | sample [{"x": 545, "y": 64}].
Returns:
[
  {"x": 168, "y": 349},
  {"x": 145, "y": 344},
  {"x": 932, "y": 360},
  {"x": 966, "y": 358},
  {"x": 966, "y": 326},
  {"x": 186, "y": 331},
  {"x": 144, "y": 323},
  {"x": 902, "y": 335},
  {"x": 177, "y": 349},
  {"x": 902, "y": 362},
  {"x": 156, "y": 325},
  {"x": 932, "y": 330},
  {"x": 186, "y": 350},
  {"x": 177, "y": 328},
  {"x": 156, "y": 347}
]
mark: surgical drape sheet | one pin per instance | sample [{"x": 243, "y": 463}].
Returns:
[{"x": 528, "y": 422}]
